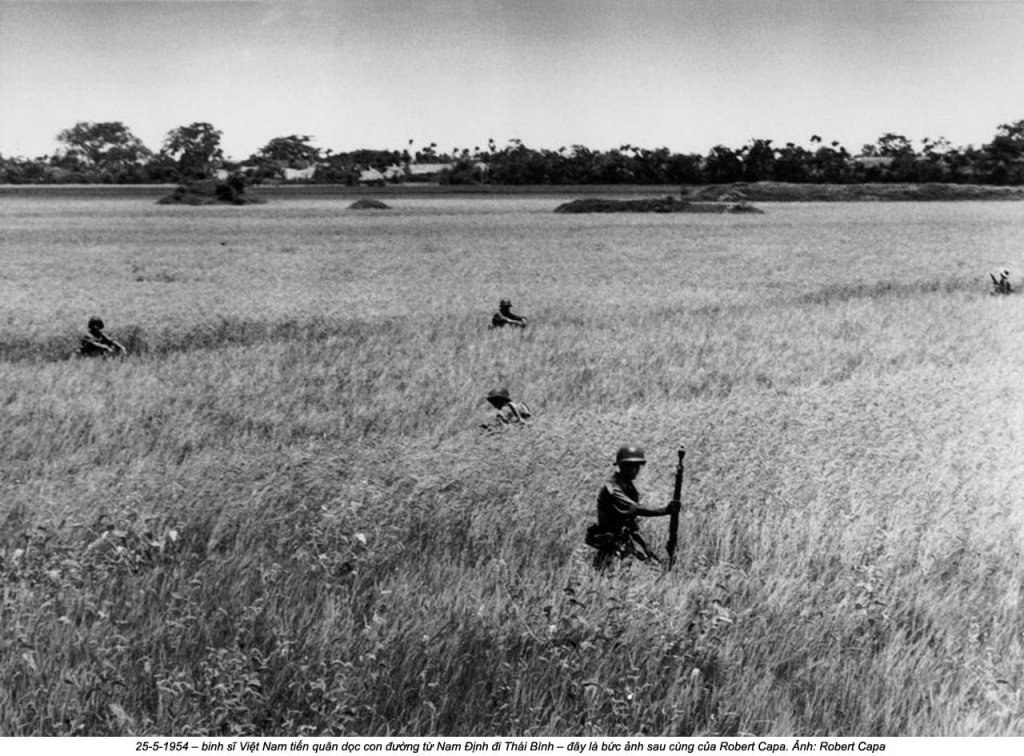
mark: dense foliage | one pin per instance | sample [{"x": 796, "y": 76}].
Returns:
[{"x": 110, "y": 153}]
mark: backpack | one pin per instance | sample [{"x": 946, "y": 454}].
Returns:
[
  {"x": 601, "y": 540},
  {"x": 625, "y": 545}
]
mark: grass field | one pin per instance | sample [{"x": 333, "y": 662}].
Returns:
[{"x": 278, "y": 516}]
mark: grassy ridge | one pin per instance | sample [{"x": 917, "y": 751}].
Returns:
[
  {"x": 278, "y": 517},
  {"x": 780, "y": 191}
]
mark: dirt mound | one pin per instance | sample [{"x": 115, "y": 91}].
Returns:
[
  {"x": 743, "y": 207},
  {"x": 211, "y": 192},
  {"x": 598, "y": 205},
  {"x": 733, "y": 193},
  {"x": 368, "y": 204},
  {"x": 772, "y": 191},
  {"x": 666, "y": 205}
]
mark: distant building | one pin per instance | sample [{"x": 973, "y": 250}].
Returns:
[
  {"x": 371, "y": 177},
  {"x": 873, "y": 161},
  {"x": 394, "y": 173},
  {"x": 426, "y": 172},
  {"x": 299, "y": 174}
]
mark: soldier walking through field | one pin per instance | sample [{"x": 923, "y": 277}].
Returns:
[
  {"x": 505, "y": 317},
  {"x": 97, "y": 344},
  {"x": 617, "y": 533},
  {"x": 1001, "y": 281},
  {"x": 509, "y": 412}
]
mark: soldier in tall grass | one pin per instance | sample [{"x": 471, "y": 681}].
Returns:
[
  {"x": 96, "y": 343},
  {"x": 1001, "y": 281},
  {"x": 509, "y": 412},
  {"x": 617, "y": 533},
  {"x": 505, "y": 317}
]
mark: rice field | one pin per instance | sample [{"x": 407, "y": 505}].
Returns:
[{"x": 279, "y": 516}]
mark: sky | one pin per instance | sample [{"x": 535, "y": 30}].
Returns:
[{"x": 353, "y": 74}]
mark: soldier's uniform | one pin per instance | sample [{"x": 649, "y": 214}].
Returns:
[
  {"x": 617, "y": 532},
  {"x": 505, "y": 317},
  {"x": 509, "y": 412},
  {"x": 97, "y": 344}
]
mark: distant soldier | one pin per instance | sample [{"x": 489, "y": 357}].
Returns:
[
  {"x": 97, "y": 344},
  {"x": 505, "y": 317},
  {"x": 1001, "y": 281},
  {"x": 617, "y": 533},
  {"x": 509, "y": 412}
]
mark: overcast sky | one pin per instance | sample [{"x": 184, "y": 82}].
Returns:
[{"x": 685, "y": 74}]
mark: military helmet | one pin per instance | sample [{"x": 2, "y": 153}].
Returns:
[
  {"x": 498, "y": 393},
  {"x": 505, "y": 303},
  {"x": 95, "y": 323},
  {"x": 1004, "y": 272},
  {"x": 630, "y": 454}
]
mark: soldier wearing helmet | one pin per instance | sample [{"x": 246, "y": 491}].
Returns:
[
  {"x": 505, "y": 317},
  {"x": 617, "y": 534},
  {"x": 1001, "y": 281},
  {"x": 97, "y": 344},
  {"x": 509, "y": 412}
]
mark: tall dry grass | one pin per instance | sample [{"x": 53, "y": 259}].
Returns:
[{"x": 279, "y": 517}]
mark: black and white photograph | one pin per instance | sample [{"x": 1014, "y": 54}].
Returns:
[{"x": 506, "y": 375}]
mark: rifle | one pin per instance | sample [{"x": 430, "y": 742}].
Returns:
[{"x": 673, "y": 523}]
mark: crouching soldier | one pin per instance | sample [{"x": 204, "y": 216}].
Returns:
[
  {"x": 509, "y": 412},
  {"x": 1001, "y": 281},
  {"x": 97, "y": 344},
  {"x": 505, "y": 317},
  {"x": 617, "y": 534}
]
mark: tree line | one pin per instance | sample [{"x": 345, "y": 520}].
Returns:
[{"x": 110, "y": 153}]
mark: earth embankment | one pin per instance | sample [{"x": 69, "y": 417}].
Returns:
[{"x": 773, "y": 191}]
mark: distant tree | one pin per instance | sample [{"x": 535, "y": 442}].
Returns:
[
  {"x": 428, "y": 154},
  {"x": 682, "y": 169},
  {"x": 106, "y": 148},
  {"x": 934, "y": 149},
  {"x": 294, "y": 151},
  {"x": 1003, "y": 162},
  {"x": 519, "y": 165},
  {"x": 936, "y": 164},
  {"x": 759, "y": 160},
  {"x": 969, "y": 163},
  {"x": 903, "y": 165},
  {"x": 893, "y": 145},
  {"x": 379, "y": 159},
  {"x": 792, "y": 164},
  {"x": 1011, "y": 134},
  {"x": 647, "y": 166},
  {"x": 579, "y": 165},
  {"x": 831, "y": 164},
  {"x": 722, "y": 166},
  {"x": 195, "y": 149},
  {"x": 464, "y": 172},
  {"x": 21, "y": 170},
  {"x": 161, "y": 169}
]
